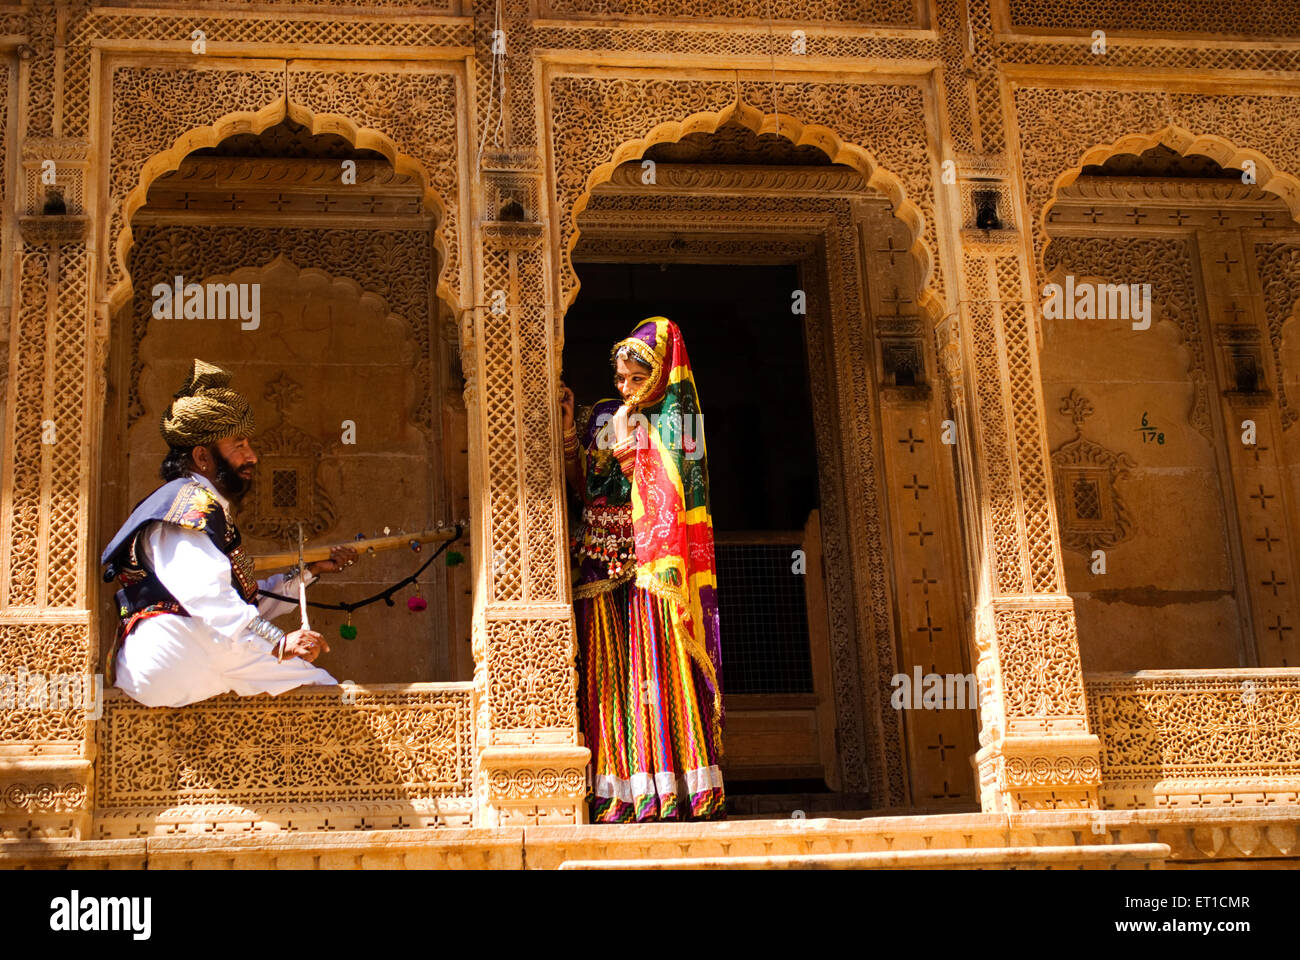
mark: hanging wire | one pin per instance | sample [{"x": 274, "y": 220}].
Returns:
[
  {"x": 385, "y": 595},
  {"x": 495, "y": 97}
]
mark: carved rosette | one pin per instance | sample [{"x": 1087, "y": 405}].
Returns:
[
  {"x": 44, "y": 797},
  {"x": 533, "y": 786},
  {"x": 1060, "y": 773}
]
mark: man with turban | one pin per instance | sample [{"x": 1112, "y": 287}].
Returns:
[{"x": 193, "y": 625}]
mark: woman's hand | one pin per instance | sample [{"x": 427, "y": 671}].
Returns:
[
  {"x": 620, "y": 423},
  {"x": 566, "y": 408}
]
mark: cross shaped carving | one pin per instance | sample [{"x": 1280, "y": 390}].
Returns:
[
  {"x": 921, "y": 533},
  {"x": 890, "y": 249},
  {"x": 916, "y": 487},
  {"x": 929, "y": 629},
  {"x": 1264, "y": 219},
  {"x": 925, "y": 580},
  {"x": 1257, "y": 450},
  {"x": 325, "y": 202},
  {"x": 1179, "y": 217},
  {"x": 279, "y": 202},
  {"x": 1094, "y": 214},
  {"x": 373, "y": 204},
  {"x": 1267, "y": 540},
  {"x": 943, "y": 749},
  {"x": 897, "y": 301},
  {"x": 1220, "y": 217},
  {"x": 911, "y": 441},
  {"x": 1262, "y": 497},
  {"x": 1236, "y": 312},
  {"x": 1279, "y": 628},
  {"x": 1273, "y": 582},
  {"x": 1226, "y": 262},
  {"x": 1137, "y": 216}
]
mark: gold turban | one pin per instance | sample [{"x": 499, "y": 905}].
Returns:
[{"x": 206, "y": 410}]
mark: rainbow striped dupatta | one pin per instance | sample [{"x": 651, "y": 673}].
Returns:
[{"x": 671, "y": 521}]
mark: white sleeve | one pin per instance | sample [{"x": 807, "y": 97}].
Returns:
[
  {"x": 197, "y": 574},
  {"x": 280, "y": 583}
]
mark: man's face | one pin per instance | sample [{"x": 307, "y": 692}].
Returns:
[{"x": 229, "y": 466}]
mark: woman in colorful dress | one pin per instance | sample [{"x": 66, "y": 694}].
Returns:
[{"x": 645, "y": 591}]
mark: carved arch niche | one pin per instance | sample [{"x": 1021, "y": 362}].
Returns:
[
  {"x": 1149, "y": 439},
  {"x": 599, "y": 126},
  {"x": 373, "y": 308},
  {"x": 160, "y": 114}
]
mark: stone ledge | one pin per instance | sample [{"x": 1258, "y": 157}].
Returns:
[
  {"x": 1141, "y": 856},
  {"x": 1185, "y": 838}
]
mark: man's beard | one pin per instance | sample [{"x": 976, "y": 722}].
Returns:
[{"x": 229, "y": 481}]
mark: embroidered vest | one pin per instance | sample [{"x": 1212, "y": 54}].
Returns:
[{"x": 186, "y": 503}]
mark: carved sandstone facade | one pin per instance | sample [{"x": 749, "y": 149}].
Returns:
[{"x": 927, "y": 166}]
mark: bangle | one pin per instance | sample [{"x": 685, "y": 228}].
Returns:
[{"x": 266, "y": 630}]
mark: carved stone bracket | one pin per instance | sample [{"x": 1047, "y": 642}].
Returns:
[
  {"x": 44, "y": 797},
  {"x": 53, "y": 231},
  {"x": 533, "y": 785}
]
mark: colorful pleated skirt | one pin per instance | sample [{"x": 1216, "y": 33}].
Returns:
[{"x": 643, "y": 713}]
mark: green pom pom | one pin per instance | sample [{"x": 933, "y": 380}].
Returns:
[
  {"x": 454, "y": 558},
  {"x": 347, "y": 631}
]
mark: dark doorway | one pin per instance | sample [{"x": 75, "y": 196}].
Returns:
[
  {"x": 750, "y": 362},
  {"x": 747, "y": 352}
]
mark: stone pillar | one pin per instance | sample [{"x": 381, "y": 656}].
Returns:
[
  {"x": 1035, "y": 747},
  {"x": 1036, "y": 750},
  {"x": 531, "y": 764},
  {"x": 46, "y": 660}
]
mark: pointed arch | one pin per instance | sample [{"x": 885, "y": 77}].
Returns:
[
  {"x": 1268, "y": 176},
  {"x": 256, "y": 122},
  {"x": 874, "y": 174}
]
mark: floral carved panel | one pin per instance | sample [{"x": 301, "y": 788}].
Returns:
[
  {"x": 894, "y": 13},
  {"x": 1038, "y": 652},
  {"x": 31, "y": 654},
  {"x": 302, "y": 756},
  {"x": 416, "y": 113},
  {"x": 598, "y": 119},
  {"x": 1197, "y": 740},
  {"x": 530, "y": 682},
  {"x": 1058, "y": 127}
]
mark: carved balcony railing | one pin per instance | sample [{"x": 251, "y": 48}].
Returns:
[
  {"x": 362, "y": 757},
  {"x": 1197, "y": 738}
]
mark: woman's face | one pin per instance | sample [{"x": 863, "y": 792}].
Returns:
[{"x": 629, "y": 377}]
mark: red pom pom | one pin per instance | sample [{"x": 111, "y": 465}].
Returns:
[{"x": 416, "y": 604}]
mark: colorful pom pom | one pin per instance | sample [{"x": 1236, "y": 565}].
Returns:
[
  {"x": 454, "y": 558},
  {"x": 347, "y": 631},
  {"x": 416, "y": 604}
]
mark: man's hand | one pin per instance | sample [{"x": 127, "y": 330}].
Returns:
[
  {"x": 340, "y": 557},
  {"x": 307, "y": 644}
]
